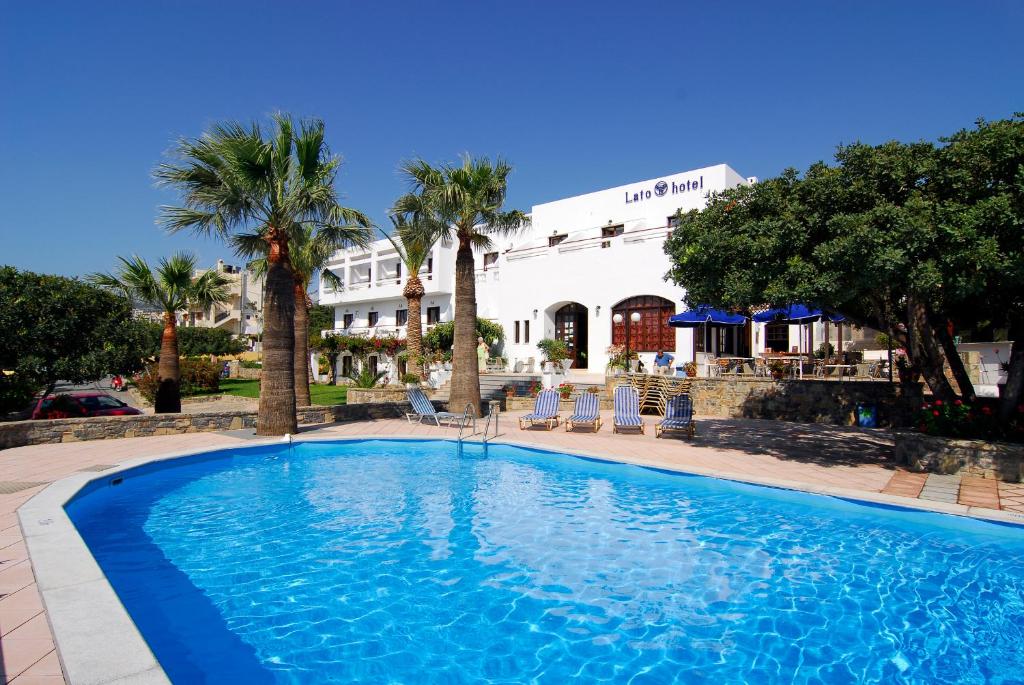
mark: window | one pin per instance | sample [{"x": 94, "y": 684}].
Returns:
[
  {"x": 672, "y": 221},
  {"x": 430, "y": 268},
  {"x": 371, "y": 362},
  {"x": 347, "y": 320},
  {"x": 433, "y": 315},
  {"x": 611, "y": 232},
  {"x": 776, "y": 337},
  {"x": 346, "y": 365},
  {"x": 401, "y": 317},
  {"x": 372, "y": 318},
  {"x": 403, "y": 367},
  {"x": 490, "y": 259},
  {"x": 652, "y": 332},
  {"x": 517, "y": 332},
  {"x": 526, "y": 331},
  {"x": 555, "y": 239},
  {"x": 398, "y": 271}
]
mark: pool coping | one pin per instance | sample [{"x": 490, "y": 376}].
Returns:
[{"x": 97, "y": 641}]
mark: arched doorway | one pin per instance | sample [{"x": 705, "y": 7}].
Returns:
[{"x": 571, "y": 328}]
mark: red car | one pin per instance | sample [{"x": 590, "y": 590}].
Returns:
[{"x": 78, "y": 404}]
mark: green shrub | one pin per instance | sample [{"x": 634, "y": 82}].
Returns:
[
  {"x": 410, "y": 378},
  {"x": 251, "y": 364},
  {"x": 366, "y": 379},
  {"x": 198, "y": 376}
]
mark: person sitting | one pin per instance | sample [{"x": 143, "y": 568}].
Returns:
[{"x": 663, "y": 363}]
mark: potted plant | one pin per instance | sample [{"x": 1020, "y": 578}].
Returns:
[
  {"x": 691, "y": 369},
  {"x": 778, "y": 369},
  {"x": 535, "y": 388},
  {"x": 554, "y": 351},
  {"x": 411, "y": 380},
  {"x": 509, "y": 389},
  {"x": 593, "y": 389},
  {"x": 565, "y": 390}
]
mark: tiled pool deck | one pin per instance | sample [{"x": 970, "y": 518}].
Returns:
[{"x": 829, "y": 459}]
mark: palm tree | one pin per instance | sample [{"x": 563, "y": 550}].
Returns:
[
  {"x": 172, "y": 288},
  {"x": 236, "y": 180},
  {"x": 309, "y": 254},
  {"x": 464, "y": 201},
  {"x": 413, "y": 238}
]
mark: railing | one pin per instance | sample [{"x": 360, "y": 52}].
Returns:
[
  {"x": 466, "y": 416},
  {"x": 494, "y": 411}
]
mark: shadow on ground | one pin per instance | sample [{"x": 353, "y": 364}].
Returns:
[{"x": 821, "y": 444}]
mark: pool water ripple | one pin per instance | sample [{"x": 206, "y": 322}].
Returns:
[{"x": 398, "y": 562}]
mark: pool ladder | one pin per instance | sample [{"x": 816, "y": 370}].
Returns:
[{"x": 470, "y": 413}]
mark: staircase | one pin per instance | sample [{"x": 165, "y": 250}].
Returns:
[{"x": 491, "y": 385}]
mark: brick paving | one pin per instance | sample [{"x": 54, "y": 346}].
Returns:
[
  {"x": 814, "y": 456},
  {"x": 1011, "y": 496},
  {"x": 979, "y": 492},
  {"x": 906, "y": 484}
]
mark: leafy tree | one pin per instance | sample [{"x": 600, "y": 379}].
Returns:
[
  {"x": 310, "y": 252},
  {"x": 244, "y": 181},
  {"x": 916, "y": 240},
  {"x": 413, "y": 238},
  {"x": 57, "y": 328},
  {"x": 465, "y": 202},
  {"x": 321, "y": 318},
  {"x": 194, "y": 341},
  {"x": 331, "y": 347},
  {"x": 441, "y": 337},
  {"x": 172, "y": 288}
]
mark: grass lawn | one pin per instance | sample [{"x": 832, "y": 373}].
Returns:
[{"x": 320, "y": 394}]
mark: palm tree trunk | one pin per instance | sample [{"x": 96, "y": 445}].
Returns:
[
  {"x": 414, "y": 333},
  {"x": 302, "y": 398},
  {"x": 276, "y": 414},
  {"x": 465, "y": 387},
  {"x": 168, "y": 371}
]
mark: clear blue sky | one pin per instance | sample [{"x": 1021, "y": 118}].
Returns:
[{"x": 579, "y": 96}]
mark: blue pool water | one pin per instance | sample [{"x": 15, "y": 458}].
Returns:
[{"x": 399, "y": 562}]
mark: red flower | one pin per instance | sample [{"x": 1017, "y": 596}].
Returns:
[
  {"x": 938, "y": 403},
  {"x": 957, "y": 402},
  {"x": 986, "y": 410},
  {"x": 935, "y": 412}
]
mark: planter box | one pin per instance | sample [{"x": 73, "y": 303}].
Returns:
[{"x": 933, "y": 454}]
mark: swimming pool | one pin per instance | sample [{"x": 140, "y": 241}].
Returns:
[{"x": 386, "y": 561}]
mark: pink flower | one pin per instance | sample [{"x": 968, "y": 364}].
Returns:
[
  {"x": 957, "y": 403},
  {"x": 938, "y": 403},
  {"x": 935, "y": 412}
]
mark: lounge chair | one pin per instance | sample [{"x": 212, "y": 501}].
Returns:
[
  {"x": 587, "y": 412},
  {"x": 545, "y": 411},
  {"x": 422, "y": 408},
  {"x": 627, "y": 409},
  {"x": 678, "y": 417}
]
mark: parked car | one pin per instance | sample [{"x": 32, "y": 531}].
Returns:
[{"x": 80, "y": 404}]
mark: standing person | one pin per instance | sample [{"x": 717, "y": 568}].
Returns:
[
  {"x": 481, "y": 354},
  {"x": 663, "y": 363}
]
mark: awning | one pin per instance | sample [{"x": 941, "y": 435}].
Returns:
[
  {"x": 705, "y": 315},
  {"x": 796, "y": 314}
]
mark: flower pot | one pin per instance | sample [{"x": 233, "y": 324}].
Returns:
[{"x": 567, "y": 364}]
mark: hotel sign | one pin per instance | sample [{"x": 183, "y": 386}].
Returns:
[{"x": 662, "y": 188}]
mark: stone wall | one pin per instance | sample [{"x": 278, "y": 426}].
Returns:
[
  {"x": 812, "y": 401},
  {"x": 374, "y": 395},
  {"x": 523, "y": 403},
  {"x": 20, "y": 433},
  {"x": 932, "y": 454}
]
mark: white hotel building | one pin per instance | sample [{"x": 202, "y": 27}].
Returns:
[{"x": 581, "y": 261}]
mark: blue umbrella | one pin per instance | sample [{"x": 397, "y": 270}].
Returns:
[
  {"x": 796, "y": 314},
  {"x": 704, "y": 314}
]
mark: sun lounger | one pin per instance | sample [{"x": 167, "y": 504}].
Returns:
[
  {"x": 587, "y": 412},
  {"x": 678, "y": 417},
  {"x": 545, "y": 411},
  {"x": 627, "y": 409},
  {"x": 422, "y": 408}
]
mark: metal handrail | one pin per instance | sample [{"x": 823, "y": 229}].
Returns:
[
  {"x": 465, "y": 416},
  {"x": 487, "y": 426}
]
